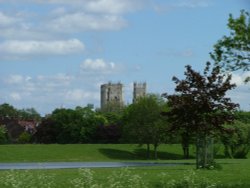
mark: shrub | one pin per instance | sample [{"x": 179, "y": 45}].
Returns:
[
  {"x": 237, "y": 144},
  {"x": 24, "y": 138},
  {"x": 3, "y": 134}
]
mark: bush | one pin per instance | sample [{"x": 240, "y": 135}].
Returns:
[
  {"x": 3, "y": 135},
  {"x": 237, "y": 144},
  {"x": 24, "y": 138}
]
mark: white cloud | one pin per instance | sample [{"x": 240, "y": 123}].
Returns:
[
  {"x": 172, "y": 5},
  {"x": 15, "y": 96},
  {"x": 80, "y": 21},
  {"x": 81, "y": 95},
  {"x": 51, "y": 83},
  {"x": 73, "y": 16},
  {"x": 32, "y": 47},
  {"x": 240, "y": 94},
  {"x": 20, "y": 33},
  {"x": 192, "y": 3},
  {"x": 97, "y": 65},
  {"x": 98, "y": 6},
  {"x": 76, "y": 94},
  {"x": 6, "y": 20},
  {"x": 239, "y": 79},
  {"x": 114, "y": 6},
  {"x": 14, "y": 79},
  {"x": 28, "y": 84}
]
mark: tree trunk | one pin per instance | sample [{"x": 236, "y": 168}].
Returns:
[
  {"x": 204, "y": 152},
  {"x": 148, "y": 151},
  {"x": 185, "y": 149},
  {"x": 185, "y": 145},
  {"x": 155, "y": 151}
]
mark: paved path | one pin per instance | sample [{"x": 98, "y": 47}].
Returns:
[{"x": 60, "y": 165}]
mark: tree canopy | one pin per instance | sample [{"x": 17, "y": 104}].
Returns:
[
  {"x": 233, "y": 52},
  {"x": 143, "y": 122},
  {"x": 200, "y": 103}
]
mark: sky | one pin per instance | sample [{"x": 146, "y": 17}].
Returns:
[{"x": 57, "y": 53}]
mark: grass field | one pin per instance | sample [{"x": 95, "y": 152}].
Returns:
[
  {"x": 234, "y": 173},
  {"x": 84, "y": 152}
]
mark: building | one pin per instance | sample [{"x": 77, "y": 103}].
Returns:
[
  {"x": 111, "y": 96},
  {"x": 139, "y": 91}
]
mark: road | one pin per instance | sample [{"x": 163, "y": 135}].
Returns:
[{"x": 64, "y": 165}]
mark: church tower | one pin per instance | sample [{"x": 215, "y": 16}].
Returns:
[{"x": 139, "y": 91}]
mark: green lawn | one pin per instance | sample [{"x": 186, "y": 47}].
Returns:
[
  {"x": 234, "y": 173},
  {"x": 84, "y": 152}
]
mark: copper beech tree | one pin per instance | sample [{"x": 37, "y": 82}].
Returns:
[{"x": 200, "y": 107}]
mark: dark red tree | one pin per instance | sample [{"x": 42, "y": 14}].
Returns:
[{"x": 200, "y": 106}]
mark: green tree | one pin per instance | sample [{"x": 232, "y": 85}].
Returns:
[
  {"x": 47, "y": 131},
  {"x": 144, "y": 124},
  {"x": 24, "y": 138},
  {"x": 243, "y": 116},
  {"x": 8, "y": 111},
  {"x": 76, "y": 126},
  {"x": 28, "y": 114},
  {"x": 3, "y": 135},
  {"x": 237, "y": 144},
  {"x": 199, "y": 105},
  {"x": 64, "y": 120},
  {"x": 89, "y": 123},
  {"x": 232, "y": 52}
]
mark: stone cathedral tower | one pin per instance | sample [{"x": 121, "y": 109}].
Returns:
[
  {"x": 139, "y": 91},
  {"x": 111, "y": 96}
]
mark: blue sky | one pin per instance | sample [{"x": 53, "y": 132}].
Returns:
[{"x": 57, "y": 53}]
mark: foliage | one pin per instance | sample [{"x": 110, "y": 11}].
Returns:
[
  {"x": 242, "y": 116},
  {"x": 108, "y": 134},
  {"x": 121, "y": 178},
  {"x": 26, "y": 179},
  {"x": 3, "y": 135},
  {"x": 24, "y": 138},
  {"x": 28, "y": 114},
  {"x": 233, "y": 52},
  {"x": 112, "y": 118},
  {"x": 143, "y": 122},
  {"x": 237, "y": 144},
  {"x": 46, "y": 131},
  {"x": 73, "y": 126},
  {"x": 199, "y": 105},
  {"x": 8, "y": 111},
  {"x": 125, "y": 178},
  {"x": 109, "y": 130},
  {"x": 86, "y": 179},
  {"x": 118, "y": 179},
  {"x": 191, "y": 179}
]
